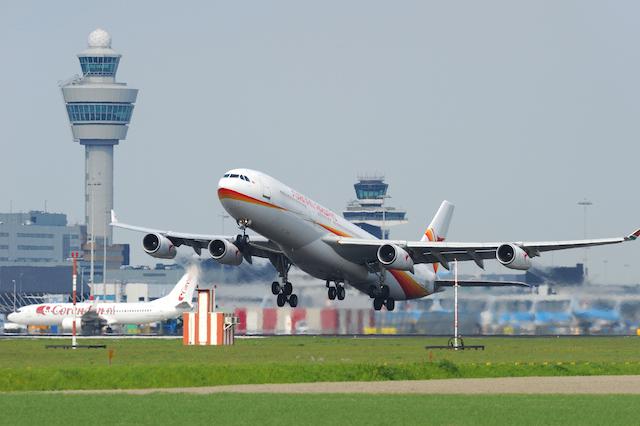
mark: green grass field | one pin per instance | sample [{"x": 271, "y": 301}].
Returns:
[
  {"x": 269, "y": 409},
  {"x": 27, "y": 365}
]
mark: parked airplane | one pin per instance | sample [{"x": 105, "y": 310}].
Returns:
[
  {"x": 296, "y": 230},
  {"x": 92, "y": 316}
]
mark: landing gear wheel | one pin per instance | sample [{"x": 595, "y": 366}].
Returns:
[
  {"x": 340, "y": 292},
  {"x": 384, "y": 291},
  {"x": 372, "y": 291},
  {"x": 293, "y": 300},
  {"x": 332, "y": 293},
  {"x": 281, "y": 300},
  {"x": 377, "y": 303},
  {"x": 287, "y": 288},
  {"x": 275, "y": 288},
  {"x": 390, "y": 304}
]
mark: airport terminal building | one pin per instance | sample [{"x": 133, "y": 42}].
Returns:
[{"x": 34, "y": 251}]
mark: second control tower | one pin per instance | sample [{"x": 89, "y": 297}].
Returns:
[
  {"x": 99, "y": 112},
  {"x": 369, "y": 210}
]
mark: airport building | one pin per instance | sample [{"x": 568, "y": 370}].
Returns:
[
  {"x": 34, "y": 251},
  {"x": 369, "y": 210},
  {"x": 37, "y": 238}
]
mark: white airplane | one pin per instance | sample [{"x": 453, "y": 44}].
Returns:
[
  {"x": 296, "y": 230},
  {"x": 91, "y": 316}
]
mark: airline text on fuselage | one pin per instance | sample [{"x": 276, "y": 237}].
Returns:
[{"x": 64, "y": 310}]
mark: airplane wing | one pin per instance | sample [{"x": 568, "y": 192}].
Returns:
[
  {"x": 480, "y": 283},
  {"x": 259, "y": 246},
  {"x": 364, "y": 251}
]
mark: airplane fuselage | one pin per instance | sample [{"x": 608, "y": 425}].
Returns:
[
  {"x": 298, "y": 224},
  {"x": 105, "y": 313},
  {"x": 47, "y": 314}
]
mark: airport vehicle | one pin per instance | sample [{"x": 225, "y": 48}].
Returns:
[
  {"x": 296, "y": 230},
  {"x": 95, "y": 316}
]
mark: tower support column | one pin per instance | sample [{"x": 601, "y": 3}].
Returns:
[{"x": 99, "y": 189}]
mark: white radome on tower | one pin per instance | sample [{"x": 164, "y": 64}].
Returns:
[{"x": 99, "y": 38}]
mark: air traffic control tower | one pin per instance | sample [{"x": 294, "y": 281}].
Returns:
[
  {"x": 99, "y": 111},
  {"x": 369, "y": 211}
]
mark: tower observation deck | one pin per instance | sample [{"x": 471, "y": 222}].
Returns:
[
  {"x": 99, "y": 112},
  {"x": 369, "y": 210}
]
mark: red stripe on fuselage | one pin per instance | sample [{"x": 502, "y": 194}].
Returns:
[
  {"x": 334, "y": 230},
  {"x": 409, "y": 286},
  {"x": 234, "y": 195}
]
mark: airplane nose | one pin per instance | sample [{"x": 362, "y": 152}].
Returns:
[
  {"x": 11, "y": 317},
  {"x": 220, "y": 183}
]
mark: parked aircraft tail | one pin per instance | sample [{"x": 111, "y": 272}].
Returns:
[{"x": 182, "y": 293}]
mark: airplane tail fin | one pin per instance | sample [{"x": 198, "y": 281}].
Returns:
[
  {"x": 437, "y": 230},
  {"x": 182, "y": 293},
  {"x": 439, "y": 226}
]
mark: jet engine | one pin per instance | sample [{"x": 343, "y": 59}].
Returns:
[
  {"x": 67, "y": 324},
  {"x": 394, "y": 257},
  {"x": 513, "y": 257},
  {"x": 159, "y": 246},
  {"x": 225, "y": 252}
]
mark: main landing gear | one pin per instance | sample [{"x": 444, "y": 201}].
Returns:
[
  {"x": 284, "y": 290},
  {"x": 381, "y": 297},
  {"x": 284, "y": 294},
  {"x": 336, "y": 291}
]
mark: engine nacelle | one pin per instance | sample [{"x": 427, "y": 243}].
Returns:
[
  {"x": 394, "y": 257},
  {"x": 67, "y": 324},
  {"x": 159, "y": 246},
  {"x": 513, "y": 257},
  {"x": 225, "y": 252}
]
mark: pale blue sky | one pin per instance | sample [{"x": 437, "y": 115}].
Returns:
[{"x": 514, "y": 111}]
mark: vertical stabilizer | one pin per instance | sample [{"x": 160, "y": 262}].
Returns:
[
  {"x": 437, "y": 230},
  {"x": 439, "y": 226},
  {"x": 183, "y": 291}
]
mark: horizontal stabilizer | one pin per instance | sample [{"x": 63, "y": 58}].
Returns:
[
  {"x": 633, "y": 236},
  {"x": 183, "y": 305},
  {"x": 481, "y": 283}
]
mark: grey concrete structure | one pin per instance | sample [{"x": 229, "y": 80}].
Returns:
[{"x": 99, "y": 111}]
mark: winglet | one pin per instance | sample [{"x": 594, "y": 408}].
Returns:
[
  {"x": 114, "y": 219},
  {"x": 633, "y": 236}
]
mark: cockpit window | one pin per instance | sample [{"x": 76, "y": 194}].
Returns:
[{"x": 236, "y": 176}]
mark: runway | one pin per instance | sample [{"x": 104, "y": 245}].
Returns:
[{"x": 506, "y": 385}]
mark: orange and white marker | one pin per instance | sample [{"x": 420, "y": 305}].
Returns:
[{"x": 206, "y": 327}]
